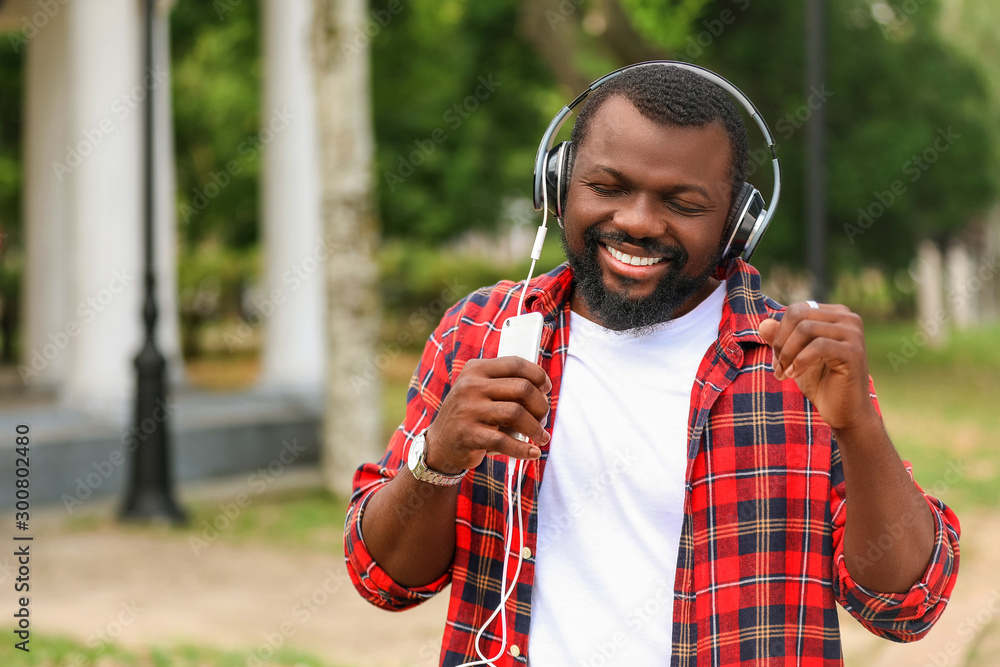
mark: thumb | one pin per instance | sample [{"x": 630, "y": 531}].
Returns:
[{"x": 769, "y": 330}]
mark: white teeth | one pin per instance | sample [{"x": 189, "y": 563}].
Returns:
[{"x": 633, "y": 261}]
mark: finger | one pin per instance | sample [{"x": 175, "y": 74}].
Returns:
[
  {"x": 499, "y": 443},
  {"x": 515, "y": 417},
  {"x": 518, "y": 390},
  {"x": 804, "y": 333},
  {"x": 517, "y": 367},
  {"x": 483, "y": 440},
  {"x": 820, "y": 351},
  {"x": 768, "y": 329},
  {"x": 795, "y": 314},
  {"x": 827, "y": 312}
]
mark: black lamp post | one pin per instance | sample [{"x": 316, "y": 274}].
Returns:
[
  {"x": 816, "y": 149},
  {"x": 149, "y": 493}
]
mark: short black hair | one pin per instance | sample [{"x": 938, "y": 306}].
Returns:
[{"x": 673, "y": 96}]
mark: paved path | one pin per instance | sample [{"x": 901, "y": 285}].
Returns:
[
  {"x": 140, "y": 589},
  {"x": 143, "y": 587}
]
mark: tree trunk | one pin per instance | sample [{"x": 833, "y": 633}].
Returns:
[
  {"x": 931, "y": 315},
  {"x": 989, "y": 256},
  {"x": 625, "y": 42},
  {"x": 551, "y": 27},
  {"x": 352, "y": 416},
  {"x": 961, "y": 286}
]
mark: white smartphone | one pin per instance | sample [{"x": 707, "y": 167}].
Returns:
[{"x": 521, "y": 336}]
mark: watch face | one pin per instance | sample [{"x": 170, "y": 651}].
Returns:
[{"x": 415, "y": 449}]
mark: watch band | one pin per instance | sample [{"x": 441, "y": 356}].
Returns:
[
  {"x": 439, "y": 479},
  {"x": 417, "y": 463}
]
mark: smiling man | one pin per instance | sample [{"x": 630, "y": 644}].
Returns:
[
  {"x": 630, "y": 274},
  {"x": 691, "y": 442}
]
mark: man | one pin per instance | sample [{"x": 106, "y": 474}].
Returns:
[{"x": 691, "y": 444}]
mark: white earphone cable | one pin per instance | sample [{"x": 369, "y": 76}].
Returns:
[
  {"x": 536, "y": 249},
  {"x": 505, "y": 592},
  {"x": 512, "y": 465}
]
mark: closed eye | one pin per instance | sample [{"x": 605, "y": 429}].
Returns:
[
  {"x": 614, "y": 191},
  {"x": 606, "y": 192},
  {"x": 683, "y": 209}
]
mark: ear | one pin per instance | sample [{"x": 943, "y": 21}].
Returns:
[
  {"x": 557, "y": 177},
  {"x": 743, "y": 224},
  {"x": 567, "y": 177}
]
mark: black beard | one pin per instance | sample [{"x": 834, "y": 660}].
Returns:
[{"x": 616, "y": 311}]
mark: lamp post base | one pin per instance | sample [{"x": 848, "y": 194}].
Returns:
[
  {"x": 149, "y": 495},
  {"x": 153, "y": 507}
]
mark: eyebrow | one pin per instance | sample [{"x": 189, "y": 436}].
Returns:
[{"x": 682, "y": 187}]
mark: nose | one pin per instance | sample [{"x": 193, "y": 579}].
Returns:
[{"x": 639, "y": 214}]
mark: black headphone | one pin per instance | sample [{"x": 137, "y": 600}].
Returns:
[{"x": 748, "y": 218}]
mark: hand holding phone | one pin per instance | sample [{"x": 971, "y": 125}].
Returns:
[
  {"x": 521, "y": 336},
  {"x": 492, "y": 402}
]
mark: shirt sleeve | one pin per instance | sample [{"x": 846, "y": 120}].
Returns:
[
  {"x": 901, "y": 617},
  {"x": 428, "y": 386}
]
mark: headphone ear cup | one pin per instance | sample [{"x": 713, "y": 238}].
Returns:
[
  {"x": 743, "y": 226},
  {"x": 557, "y": 177}
]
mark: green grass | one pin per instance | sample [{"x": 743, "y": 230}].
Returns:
[
  {"x": 942, "y": 408},
  {"x": 306, "y": 518},
  {"x": 55, "y": 651},
  {"x": 309, "y": 518}
]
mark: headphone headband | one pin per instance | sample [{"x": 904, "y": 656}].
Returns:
[{"x": 547, "y": 139}]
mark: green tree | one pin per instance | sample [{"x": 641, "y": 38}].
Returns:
[
  {"x": 216, "y": 91},
  {"x": 11, "y": 131},
  {"x": 458, "y": 105},
  {"x": 11, "y": 179}
]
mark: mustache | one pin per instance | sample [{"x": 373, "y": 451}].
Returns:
[{"x": 594, "y": 236}]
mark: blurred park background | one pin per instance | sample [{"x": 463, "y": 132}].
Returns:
[{"x": 330, "y": 175}]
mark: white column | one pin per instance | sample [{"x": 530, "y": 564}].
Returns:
[
  {"x": 168, "y": 330},
  {"x": 293, "y": 349},
  {"x": 50, "y": 320},
  {"x": 930, "y": 291},
  {"x": 108, "y": 89},
  {"x": 988, "y": 257},
  {"x": 961, "y": 275}
]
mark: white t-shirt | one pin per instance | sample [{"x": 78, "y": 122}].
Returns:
[{"x": 611, "y": 504}]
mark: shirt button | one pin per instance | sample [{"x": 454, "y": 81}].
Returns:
[
  {"x": 514, "y": 650},
  {"x": 525, "y": 553}
]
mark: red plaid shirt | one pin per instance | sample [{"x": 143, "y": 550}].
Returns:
[{"x": 761, "y": 558}]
